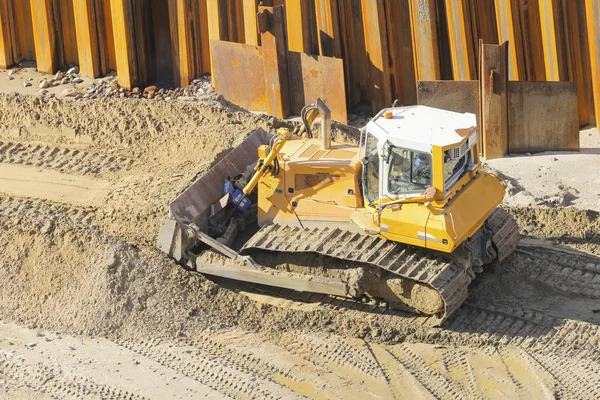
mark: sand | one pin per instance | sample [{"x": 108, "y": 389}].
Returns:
[{"x": 110, "y": 316}]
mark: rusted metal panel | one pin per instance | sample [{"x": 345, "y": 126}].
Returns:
[
  {"x": 204, "y": 41},
  {"x": 425, "y": 39},
  {"x": 509, "y": 31},
  {"x": 328, "y": 31},
  {"x": 356, "y": 62},
  {"x": 574, "y": 56},
  {"x": 87, "y": 38},
  {"x": 550, "y": 25},
  {"x": 250, "y": 29},
  {"x": 531, "y": 37},
  {"x": 125, "y": 54},
  {"x": 44, "y": 36},
  {"x": 110, "y": 38},
  {"x": 22, "y": 9},
  {"x": 301, "y": 25},
  {"x": 312, "y": 77},
  {"x": 457, "y": 96},
  {"x": 398, "y": 19},
  {"x": 238, "y": 74},
  {"x": 6, "y": 44},
  {"x": 494, "y": 100},
  {"x": 376, "y": 43},
  {"x": 592, "y": 10},
  {"x": 542, "y": 117},
  {"x": 184, "y": 57},
  {"x": 217, "y": 27},
  {"x": 461, "y": 48},
  {"x": 271, "y": 24}
]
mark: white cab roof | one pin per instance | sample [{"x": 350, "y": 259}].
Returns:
[{"x": 419, "y": 127}]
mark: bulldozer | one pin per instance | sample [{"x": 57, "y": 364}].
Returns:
[{"x": 407, "y": 217}]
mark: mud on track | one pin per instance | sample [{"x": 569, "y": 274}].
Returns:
[{"x": 529, "y": 327}]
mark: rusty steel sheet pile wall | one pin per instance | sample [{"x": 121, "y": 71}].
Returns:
[{"x": 385, "y": 46}]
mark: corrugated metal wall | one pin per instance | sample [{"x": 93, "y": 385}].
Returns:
[{"x": 387, "y": 45}]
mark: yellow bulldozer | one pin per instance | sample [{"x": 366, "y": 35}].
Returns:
[{"x": 407, "y": 217}]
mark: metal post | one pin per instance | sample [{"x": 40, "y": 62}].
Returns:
[
  {"x": 425, "y": 40},
  {"x": 376, "y": 43},
  {"x": 507, "y": 32},
  {"x": 461, "y": 46},
  {"x": 592, "y": 12},
  {"x": 250, "y": 28},
  {"x": 44, "y": 36},
  {"x": 125, "y": 58},
  {"x": 271, "y": 26}
]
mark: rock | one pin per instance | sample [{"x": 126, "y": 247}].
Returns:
[
  {"x": 121, "y": 95},
  {"x": 26, "y": 84},
  {"x": 10, "y": 78},
  {"x": 527, "y": 154},
  {"x": 587, "y": 235},
  {"x": 59, "y": 75},
  {"x": 30, "y": 345},
  {"x": 10, "y": 72},
  {"x": 77, "y": 80},
  {"x": 36, "y": 116},
  {"x": 64, "y": 81},
  {"x": 72, "y": 70},
  {"x": 185, "y": 98},
  {"x": 44, "y": 84},
  {"x": 529, "y": 228},
  {"x": 150, "y": 89},
  {"x": 150, "y": 95},
  {"x": 135, "y": 90},
  {"x": 70, "y": 92},
  {"x": 555, "y": 159}
]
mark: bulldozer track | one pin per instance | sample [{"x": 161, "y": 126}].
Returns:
[
  {"x": 567, "y": 375},
  {"x": 226, "y": 378},
  {"x": 448, "y": 278},
  {"x": 440, "y": 386},
  {"x": 562, "y": 269},
  {"x": 62, "y": 159},
  {"x": 43, "y": 211},
  {"x": 49, "y": 381},
  {"x": 477, "y": 324},
  {"x": 324, "y": 353}
]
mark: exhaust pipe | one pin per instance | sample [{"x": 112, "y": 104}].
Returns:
[{"x": 325, "y": 113}]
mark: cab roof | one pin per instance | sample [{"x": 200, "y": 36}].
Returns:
[{"x": 420, "y": 127}]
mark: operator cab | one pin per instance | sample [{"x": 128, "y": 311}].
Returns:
[{"x": 410, "y": 149}]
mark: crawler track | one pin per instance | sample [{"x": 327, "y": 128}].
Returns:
[{"x": 435, "y": 270}]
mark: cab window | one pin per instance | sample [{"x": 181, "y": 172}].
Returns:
[
  {"x": 454, "y": 168},
  {"x": 410, "y": 171},
  {"x": 371, "y": 169}
]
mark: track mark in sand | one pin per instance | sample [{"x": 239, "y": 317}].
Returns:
[
  {"x": 569, "y": 271},
  {"x": 44, "y": 212},
  {"x": 49, "y": 381},
  {"x": 52, "y": 185},
  {"x": 400, "y": 381},
  {"x": 570, "y": 382},
  {"x": 62, "y": 159},
  {"x": 219, "y": 376},
  {"x": 440, "y": 386},
  {"x": 526, "y": 329}
]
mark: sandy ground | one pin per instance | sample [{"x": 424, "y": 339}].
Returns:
[
  {"x": 90, "y": 309},
  {"x": 561, "y": 178}
]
